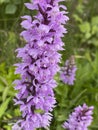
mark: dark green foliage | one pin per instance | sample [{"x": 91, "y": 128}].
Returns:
[{"x": 81, "y": 41}]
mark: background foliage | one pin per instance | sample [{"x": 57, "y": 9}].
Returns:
[{"x": 81, "y": 41}]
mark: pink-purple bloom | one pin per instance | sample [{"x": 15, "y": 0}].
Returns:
[
  {"x": 80, "y": 119},
  {"x": 68, "y": 72},
  {"x": 40, "y": 59}
]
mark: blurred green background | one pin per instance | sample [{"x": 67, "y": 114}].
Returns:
[{"x": 81, "y": 41}]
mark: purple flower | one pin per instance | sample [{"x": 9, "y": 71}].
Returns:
[
  {"x": 80, "y": 119},
  {"x": 68, "y": 72},
  {"x": 40, "y": 59}
]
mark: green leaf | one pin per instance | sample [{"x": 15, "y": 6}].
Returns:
[
  {"x": 94, "y": 29},
  {"x": 7, "y": 127},
  {"x": 87, "y": 56},
  {"x": 94, "y": 20},
  {"x": 4, "y": 1},
  {"x": 3, "y": 80},
  {"x": 2, "y": 69},
  {"x": 61, "y": 117},
  {"x": 1, "y": 87},
  {"x": 84, "y": 27},
  {"x": 95, "y": 63},
  {"x": 74, "y": 101},
  {"x": 94, "y": 23},
  {"x": 3, "y": 107},
  {"x": 10, "y": 9},
  {"x": 77, "y": 18},
  {"x": 87, "y": 35},
  {"x": 94, "y": 127},
  {"x": 5, "y": 93},
  {"x": 80, "y": 8}
]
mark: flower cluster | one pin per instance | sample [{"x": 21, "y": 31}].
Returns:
[
  {"x": 80, "y": 119},
  {"x": 40, "y": 58},
  {"x": 68, "y": 72}
]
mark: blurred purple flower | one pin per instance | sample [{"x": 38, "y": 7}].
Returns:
[
  {"x": 80, "y": 119},
  {"x": 68, "y": 72},
  {"x": 40, "y": 60}
]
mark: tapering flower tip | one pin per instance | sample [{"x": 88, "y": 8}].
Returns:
[
  {"x": 68, "y": 72},
  {"x": 80, "y": 119}
]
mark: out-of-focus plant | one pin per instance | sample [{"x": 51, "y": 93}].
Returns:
[
  {"x": 7, "y": 110},
  {"x": 87, "y": 26},
  {"x": 82, "y": 40},
  {"x": 10, "y": 11},
  {"x": 84, "y": 90},
  {"x": 11, "y": 6}
]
